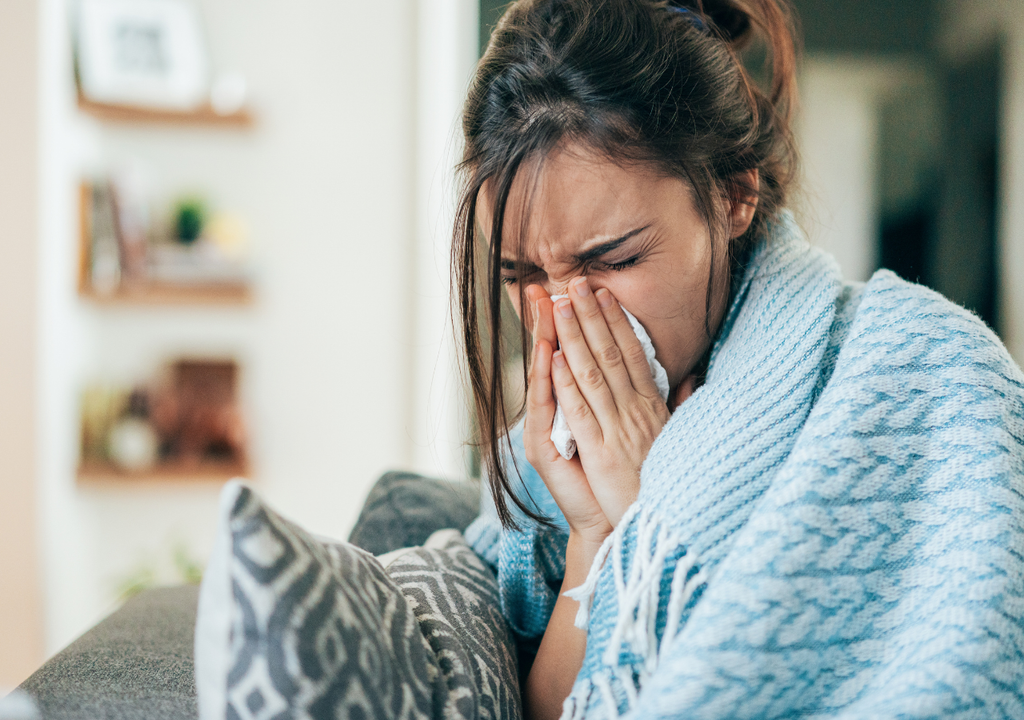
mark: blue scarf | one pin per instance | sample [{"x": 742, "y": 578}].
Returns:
[{"x": 833, "y": 524}]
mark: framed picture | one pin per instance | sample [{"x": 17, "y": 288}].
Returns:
[{"x": 148, "y": 53}]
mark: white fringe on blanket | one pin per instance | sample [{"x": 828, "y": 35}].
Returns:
[
  {"x": 637, "y": 597},
  {"x": 575, "y": 706}
]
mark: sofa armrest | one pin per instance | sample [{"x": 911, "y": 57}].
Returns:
[
  {"x": 138, "y": 663},
  {"x": 135, "y": 664}
]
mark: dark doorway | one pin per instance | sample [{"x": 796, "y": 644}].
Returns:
[
  {"x": 943, "y": 232},
  {"x": 964, "y": 264}
]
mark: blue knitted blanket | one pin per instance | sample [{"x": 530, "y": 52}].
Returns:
[{"x": 831, "y": 526}]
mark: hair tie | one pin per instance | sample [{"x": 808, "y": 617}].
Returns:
[{"x": 696, "y": 20}]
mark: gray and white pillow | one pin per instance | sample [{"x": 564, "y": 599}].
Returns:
[{"x": 292, "y": 625}]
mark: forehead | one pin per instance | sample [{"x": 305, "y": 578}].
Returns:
[{"x": 571, "y": 198}]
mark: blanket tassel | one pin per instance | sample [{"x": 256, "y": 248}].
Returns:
[
  {"x": 638, "y": 598},
  {"x": 584, "y": 594}
]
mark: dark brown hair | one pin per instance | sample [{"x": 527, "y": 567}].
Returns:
[{"x": 647, "y": 81}]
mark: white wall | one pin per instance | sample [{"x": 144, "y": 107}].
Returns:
[
  {"x": 21, "y": 644},
  {"x": 838, "y": 134},
  {"x": 328, "y": 181},
  {"x": 446, "y": 54}
]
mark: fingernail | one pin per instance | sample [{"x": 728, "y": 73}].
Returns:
[
  {"x": 565, "y": 308},
  {"x": 604, "y": 298},
  {"x": 558, "y": 359},
  {"x": 582, "y": 287}
]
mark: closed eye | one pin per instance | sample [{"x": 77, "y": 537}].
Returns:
[
  {"x": 513, "y": 278},
  {"x": 512, "y": 272},
  {"x": 621, "y": 265}
]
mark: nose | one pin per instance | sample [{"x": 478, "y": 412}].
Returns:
[
  {"x": 550, "y": 286},
  {"x": 562, "y": 289},
  {"x": 558, "y": 286}
]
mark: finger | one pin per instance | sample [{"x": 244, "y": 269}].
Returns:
[
  {"x": 543, "y": 322},
  {"x": 685, "y": 390},
  {"x": 532, "y": 294},
  {"x": 590, "y": 380},
  {"x": 600, "y": 341},
  {"x": 540, "y": 316},
  {"x": 629, "y": 344},
  {"x": 582, "y": 421},
  {"x": 540, "y": 405}
]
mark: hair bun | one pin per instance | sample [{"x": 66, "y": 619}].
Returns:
[{"x": 728, "y": 19}]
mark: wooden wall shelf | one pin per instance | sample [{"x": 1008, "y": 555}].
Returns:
[
  {"x": 164, "y": 294},
  {"x": 95, "y": 473},
  {"x": 201, "y": 116}
]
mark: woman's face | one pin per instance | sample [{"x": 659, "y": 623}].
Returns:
[{"x": 629, "y": 229}]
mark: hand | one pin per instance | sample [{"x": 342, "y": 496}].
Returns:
[
  {"x": 565, "y": 479},
  {"x": 603, "y": 382}
]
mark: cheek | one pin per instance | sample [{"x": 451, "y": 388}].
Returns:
[
  {"x": 675, "y": 287},
  {"x": 672, "y": 307},
  {"x": 667, "y": 294}
]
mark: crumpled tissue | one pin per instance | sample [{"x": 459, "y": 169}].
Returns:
[{"x": 561, "y": 436}]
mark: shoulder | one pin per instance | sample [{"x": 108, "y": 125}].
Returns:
[
  {"x": 888, "y": 310},
  {"x": 917, "y": 384},
  {"x": 891, "y": 328}
]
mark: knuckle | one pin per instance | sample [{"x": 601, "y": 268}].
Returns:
[
  {"x": 533, "y": 388},
  {"x": 532, "y": 374},
  {"x": 634, "y": 353},
  {"x": 564, "y": 379},
  {"x": 590, "y": 311},
  {"x": 535, "y": 458},
  {"x": 610, "y": 355},
  {"x": 531, "y": 453},
  {"x": 569, "y": 329},
  {"x": 592, "y": 377},
  {"x": 578, "y": 409},
  {"x": 533, "y": 402},
  {"x": 661, "y": 410}
]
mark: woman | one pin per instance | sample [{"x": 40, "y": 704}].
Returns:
[{"x": 825, "y": 514}]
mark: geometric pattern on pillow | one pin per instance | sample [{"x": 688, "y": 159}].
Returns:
[
  {"x": 455, "y": 599},
  {"x": 403, "y": 510},
  {"x": 291, "y": 625},
  {"x": 318, "y": 628}
]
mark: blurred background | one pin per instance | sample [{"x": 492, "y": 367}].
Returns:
[{"x": 224, "y": 252}]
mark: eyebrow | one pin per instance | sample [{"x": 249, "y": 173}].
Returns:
[
  {"x": 607, "y": 246},
  {"x": 585, "y": 256}
]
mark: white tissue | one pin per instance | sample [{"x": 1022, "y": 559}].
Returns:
[{"x": 561, "y": 436}]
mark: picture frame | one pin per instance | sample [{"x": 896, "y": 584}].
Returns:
[{"x": 144, "y": 53}]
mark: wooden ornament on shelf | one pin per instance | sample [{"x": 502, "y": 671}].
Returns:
[
  {"x": 146, "y": 68},
  {"x": 142, "y": 291},
  {"x": 192, "y": 417}
]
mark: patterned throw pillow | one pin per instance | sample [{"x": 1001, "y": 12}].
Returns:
[
  {"x": 455, "y": 599},
  {"x": 293, "y": 625}
]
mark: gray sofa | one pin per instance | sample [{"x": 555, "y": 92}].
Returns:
[{"x": 138, "y": 662}]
